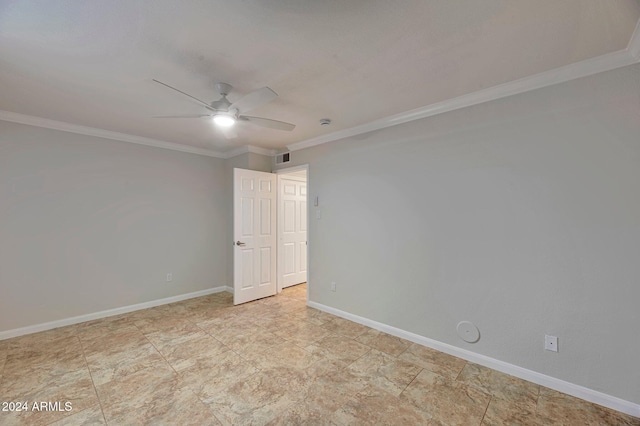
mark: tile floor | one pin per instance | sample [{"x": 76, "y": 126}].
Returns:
[{"x": 273, "y": 361}]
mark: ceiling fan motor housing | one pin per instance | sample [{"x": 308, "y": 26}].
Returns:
[{"x": 223, "y": 88}]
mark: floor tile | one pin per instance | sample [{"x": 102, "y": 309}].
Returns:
[
  {"x": 373, "y": 406},
  {"x": 502, "y": 412},
  {"x": 314, "y": 316},
  {"x": 345, "y": 327},
  {"x": 74, "y": 387},
  {"x": 113, "y": 365},
  {"x": 446, "y": 400},
  {"x": 100, "y": 341},
  {"x": 273, "y": 361},
  {"x": 138, "y": 391},
  {"x": 384, "y": 342},
  {"x": 302, "y": 413},
  {"x": 165, "y": 322},
  {"x": 500, "y": 385},
  {"x": 181, "y": 354},
  {"x": 179, "y": 407},
  {"x": 3, "y": 359},
  {"x": 210, "y": 376},
  {"x": 285, "y": 354},
  {"x": 174, "y": 335},
  {"x": 252, "y": 342},
  {"x": 562, "y": 409},
  {"x": 50, "y": 338},
  {"x": 227, "y": 325},
  {"x": 384, "y": 371},
  {"x": 95, "y": 328},
  {"x": 339, "y": 347},
  {"x": 330, "y": 389},
  {"x": 91, "y": 416},
  {"x": 432, "y": 360},
  {"x": 261, "y": 397},
  {"x": 62, "y": 354},
  {"x": 301, "y": 333}
]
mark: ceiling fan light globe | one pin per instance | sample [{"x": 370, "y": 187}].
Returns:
[{"x": 223, "y": 120}]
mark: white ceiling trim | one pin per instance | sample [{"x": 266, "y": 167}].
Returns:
[
  {"x": 237, "y": 151},
  {"x": 101, "y": 133},
  {"x": 262, "y": 151},
  {"x": 610, "y": 61},
  {"x": 249, "y": 148},
  {"x": 607, "y": 62}
]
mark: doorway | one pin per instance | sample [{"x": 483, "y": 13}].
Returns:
[
  {"x": 270, "y": 217},
  {"x": 292, "y": 227}
]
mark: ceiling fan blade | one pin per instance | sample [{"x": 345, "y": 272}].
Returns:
[
  {"x": 183, "y": 116},
  {"x": 266, "y": 122},
  {"x": 203, "y": 103},
  {"x": 254, "y": 100}
]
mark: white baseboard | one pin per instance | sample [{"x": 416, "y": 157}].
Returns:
[
  {"x": 581, "y": 392},
  {"x": 108, "y": 313}
]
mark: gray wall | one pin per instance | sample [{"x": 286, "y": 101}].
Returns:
[
  {"x": 88, "y": 224},
  {"x": 521, "y": 215}
]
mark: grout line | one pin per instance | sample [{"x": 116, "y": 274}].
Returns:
[
  {"x": 412, "y": 380},
  {"x": 95, "y": 389},
  {"x": 460, "y": 372},
  {"x": 486, "y": 409}
]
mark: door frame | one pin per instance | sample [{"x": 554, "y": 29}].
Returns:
[{"x": 279, "y": 212}]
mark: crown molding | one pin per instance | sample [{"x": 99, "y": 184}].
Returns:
[
  {"x": 606, "y": 62},
  {"x": 628, "y": 56},
  {"x": 261, "y": 151},
  {"x": 236, "y": 151},
  {"x": 249, "y": 148},
  {"x": 15, "y": 117},
  {"x": 634, "y": 44}
]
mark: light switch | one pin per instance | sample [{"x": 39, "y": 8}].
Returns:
[
  {"x": 318, "y": 214},
  {"x": 315, "y": 201}
]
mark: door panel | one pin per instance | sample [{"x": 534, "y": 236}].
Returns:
[
  {"x": 265, "y": 266},
  {"x": 247, "y": 267},
  {"x": 302, "y": 265},
  {"x": 292, "y": 230},
  {"x": 265, "y": 217},
  {"x": 289, "y": 216},
  {"x": 254, "y": 227},
  {"x": 289, "y": 258}
]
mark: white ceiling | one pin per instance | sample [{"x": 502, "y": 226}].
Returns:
[{"x": 91, "y": 62}]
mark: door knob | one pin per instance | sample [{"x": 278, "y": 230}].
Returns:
[{"x": 240, "y": 243}]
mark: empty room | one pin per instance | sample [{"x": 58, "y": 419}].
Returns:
[{"x": 419, "y": 212}]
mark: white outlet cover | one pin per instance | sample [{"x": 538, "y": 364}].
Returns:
[
  {"x": 551, "y": 343},
  {"x": 468, "y": 332}
]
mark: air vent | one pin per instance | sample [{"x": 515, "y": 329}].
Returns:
[{"x": 283, "y": 158}]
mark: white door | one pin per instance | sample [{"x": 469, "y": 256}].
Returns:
[
  {"x": 292, "y": 230},
  {"x": 254, "y": 230}
]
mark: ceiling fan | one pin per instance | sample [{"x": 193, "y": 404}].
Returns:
[{"x": 226, "y": 114}]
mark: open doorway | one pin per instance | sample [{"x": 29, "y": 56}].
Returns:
[{"x": 292, "y": 219}]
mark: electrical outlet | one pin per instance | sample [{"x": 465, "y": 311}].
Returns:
[
  {"x": 169, "y": 277},
  {"x": 333, "y": 286},
  {"x": 550, "y": 343}
]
